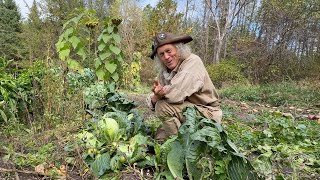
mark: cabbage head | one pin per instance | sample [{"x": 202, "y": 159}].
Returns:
[{"x": 109, "y": 127}]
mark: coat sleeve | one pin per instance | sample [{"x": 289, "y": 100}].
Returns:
[{"x": 186, "y": 82}]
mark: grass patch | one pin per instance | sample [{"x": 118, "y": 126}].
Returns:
[{"x": 280, "y": 94}]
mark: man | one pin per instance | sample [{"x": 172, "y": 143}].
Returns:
[{"x": 183, "y": 81}]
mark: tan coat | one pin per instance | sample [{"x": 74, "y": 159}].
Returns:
[{"x": 189, "y": 81}]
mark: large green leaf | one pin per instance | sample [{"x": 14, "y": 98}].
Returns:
[
  {"x": 64, "y": 53},
  {"x": 111, "y": 67},
  {"x": 100, "y": 72},
  {"x": 104, "y": 55},
  {"x": 101, "y": 46},
  {"x": 209, "y": 135},
  {"x": 115, "y": 76},
  {"x": 80, "y": 50},
  {"x": 106, "y": 38},
  {"x": 175, "y": 160},
  {"x": 116, "y": 37},
  {"x": 4, "y": 116},
  {"x": 74, "y": 41},
  {"x": 100, "y": 165},
  {"x": 97, "y": 63},
  {"x": 114, "y": 49},
  {"x": 110, "y": 28},
  {"x": 240, "y": 169},
  {"x": 73, "y": 64},
  {"x": 68, "y": 32}
]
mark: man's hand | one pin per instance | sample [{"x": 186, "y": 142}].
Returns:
[{"x": 159, "y": 91}]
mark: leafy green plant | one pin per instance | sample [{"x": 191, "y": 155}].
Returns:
[
  {"x": 73, "y": 42},
  {"x": 8, "y": 92},
  {"x": 203, "y": 149},
  {"x": 115, "y": 136},
  {"x": 226, "y": 72},
  {"x": 79, "y": 81},
  {"x": 279, "y": 147},
  {"x": 131, "y": 75}
]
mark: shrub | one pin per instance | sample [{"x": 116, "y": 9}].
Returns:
[{"x": 226, "y": 72}]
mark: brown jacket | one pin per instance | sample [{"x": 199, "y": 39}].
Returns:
[{"x": 189, "y": 81}]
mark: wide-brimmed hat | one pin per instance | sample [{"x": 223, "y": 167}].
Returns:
[{"x": 167, "y": 38}]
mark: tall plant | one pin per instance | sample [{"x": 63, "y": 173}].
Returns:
[{"x": 75, "y": 48}]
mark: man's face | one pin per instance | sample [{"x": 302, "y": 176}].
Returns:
[{"x": 168, "y": 55}]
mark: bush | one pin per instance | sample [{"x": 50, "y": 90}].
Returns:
[{"x": 226, "y": 72}]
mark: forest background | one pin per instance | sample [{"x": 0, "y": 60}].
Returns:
[{"x": 254, "y": 50}]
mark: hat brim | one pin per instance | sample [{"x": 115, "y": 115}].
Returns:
[{"x": 179, "y": 39}]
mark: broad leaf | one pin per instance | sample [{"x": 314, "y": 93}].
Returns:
[
  {"x": 106, "y": 38},
  {"x": 100, "y": 165},
  {"x": 239, "y": 169},
  {"x": 111, "y": 67},
  {"x": 73, "y": 64},
  {"x": 67, "y": 33},
  {"x": 103, "y": 56},
  {"x": 115, "y": 76},
  {"x": 74, "y": 41},
  {"x": 101, "y": 46},
  {"x": 114, "y": 49},
  {"x": 100, "y": 72},
  {"x": 110, "y": 28},
  {"x": 175, "y": 160},
  {"x": 116, "y": 37},
  {"x": 64, "y": 53},
  {"x": 97, "y": 63},
  {"x": 4, "y": 116}
]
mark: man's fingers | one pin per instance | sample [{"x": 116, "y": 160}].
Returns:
[{"x": 156, "y": 82}]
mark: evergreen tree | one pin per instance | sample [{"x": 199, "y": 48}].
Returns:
[
  {"x": 33, "y": 35},
  {"x": 10, "y": 28}
]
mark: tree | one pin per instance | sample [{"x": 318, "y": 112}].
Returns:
[
  {"x": 33, "y": 34},
  {"x": 223, "y": 13},
  {"x": 163, "y": 17},
  {"x": 10, "y": 27}
]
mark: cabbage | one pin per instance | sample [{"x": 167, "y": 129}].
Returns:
[{"x": 109, "y": 127}]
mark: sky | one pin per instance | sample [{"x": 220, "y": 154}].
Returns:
[
  {"x": 22, "y": 4},
  {"x": 23, "y": 7}
]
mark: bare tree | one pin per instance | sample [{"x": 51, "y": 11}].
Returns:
[{"x": 223, "y": 13}]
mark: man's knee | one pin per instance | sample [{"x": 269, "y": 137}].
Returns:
[{"x": 162, "y": 109}]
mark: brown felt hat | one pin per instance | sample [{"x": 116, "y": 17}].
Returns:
[{"x": 167, "y": 38}]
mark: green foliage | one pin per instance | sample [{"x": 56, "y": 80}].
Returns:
[
  {"x": 157, "y": 20},
  {"x": 226, "y": 72},
  {"x": 131, "y": 75},
  {"x": 280, "y": 94},
  {"x": 73, "y": 42},
  {"x": 77, "y": 81},
  {"x": 200, "y": 143},
  {"x": 115, "y": 136},
  {"x": 16, "y": 90},
  {"x": 10, "y": 27},
  {"x": 33, "y": 158},
  {"x": 279, "y": 146}
]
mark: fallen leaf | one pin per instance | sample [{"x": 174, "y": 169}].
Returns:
[
  {"x": 39, "y": 169},
  {"x": 288, "y": 115},
  {"x": 311, "y": 117}
]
